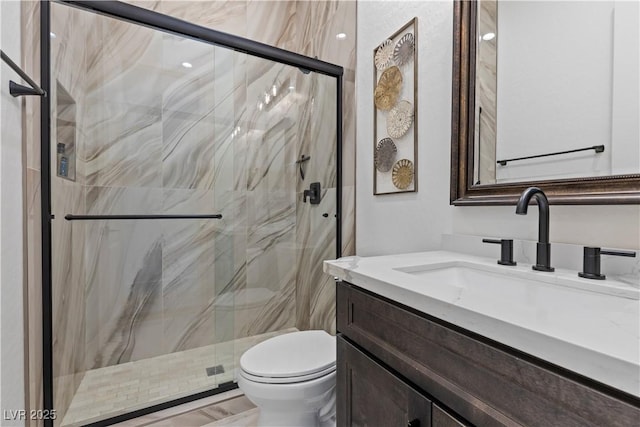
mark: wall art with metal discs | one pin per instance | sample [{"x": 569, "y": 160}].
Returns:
[{"x": 395, "y": 112}]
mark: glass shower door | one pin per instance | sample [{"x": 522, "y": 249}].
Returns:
[
  {"x": 291, "y": 141},
  {"x": 143, "y": 127},
  {"x": 195, "y": 197}
]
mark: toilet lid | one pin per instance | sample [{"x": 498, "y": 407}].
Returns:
[{"x": 291, "y": 355}]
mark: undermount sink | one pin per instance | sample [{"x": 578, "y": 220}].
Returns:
[
  {"x": 457, "y": 275},
  {"x": 462, "y": 274}
]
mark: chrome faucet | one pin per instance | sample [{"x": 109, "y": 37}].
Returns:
[{"x": 543, "y": 249}]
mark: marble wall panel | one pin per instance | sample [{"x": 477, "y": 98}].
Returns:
[
  {"x": 311, "y": 16},
  {"x": 68, "y": 238},
  {"x": 486, "y": 92},
  {"x": 67, "y": 292},
  {"x": 230, "y": 261},
  {"x": 348, "y": 220},
  {"x": 124, "y": 275},
  {"x": 188, "y": 271},
  {"x": 230, "y": 116},
  {"x": 34, "y": 294},
  {"x": 124, "y": 145},
  {"x": 272, "y": 23},
  {"x": 321, "y": 22},
  {"x": 30, "y": 40},
  {"x": 272, "y": 314},
  {"x": 316, "y": 241},
  {"x": 30, "y": 27},
  {"x": 68, "y": 51},
  {"x": 271, "y": 175},
  {"x": 318, "y": 131},
  {"x": 110, "y": 54},
  {"x": 124, "y": 117},
  {"x": 188, "y": 121},
  {"x": 229, "y": 16}
]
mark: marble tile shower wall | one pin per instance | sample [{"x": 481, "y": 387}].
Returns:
[
  {"x": 68, "y": 239},
  {"x": 131, "y": 290}
]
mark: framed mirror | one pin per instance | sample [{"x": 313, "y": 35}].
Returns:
[{"x": 547, "y": 98}]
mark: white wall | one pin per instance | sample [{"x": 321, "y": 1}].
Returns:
[
  {"x": 11, "y": 237},
  {"x": 412, "y": 222}
]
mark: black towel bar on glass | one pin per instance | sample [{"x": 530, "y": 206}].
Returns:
[{"x": 70, "y": 217}]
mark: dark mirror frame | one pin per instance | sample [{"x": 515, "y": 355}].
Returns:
[{"x": 602, "y": 190}]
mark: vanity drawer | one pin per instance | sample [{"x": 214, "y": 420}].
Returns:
[
  {"x": 484, "y": 382},
  {"x": 371, "y": 396}
]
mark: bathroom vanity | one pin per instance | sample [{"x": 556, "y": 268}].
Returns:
[{"x": 448, "y": 339}]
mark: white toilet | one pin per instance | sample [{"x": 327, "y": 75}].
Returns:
[{"x": 291, "y": 378}]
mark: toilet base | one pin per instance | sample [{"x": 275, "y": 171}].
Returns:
[{"x": 309, "y": 404}]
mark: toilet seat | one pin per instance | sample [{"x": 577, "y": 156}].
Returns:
[
  {"x": 287, "y": 380},
  {"x": 290, "y": 358}
]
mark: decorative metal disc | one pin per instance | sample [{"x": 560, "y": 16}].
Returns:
[
  {"x": 384, "y": 55},
  {"x": 388, "y": 88},
  {"x": 402, "y": 175},
  {"x": 400, "y": 119},
  {"x": 385, "y": 154},
  {"x": 403, "y": 52}
]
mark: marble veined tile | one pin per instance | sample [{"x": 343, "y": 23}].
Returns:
[
  {"x": 68, "y": 48},
  {"x": 317, "y": 130},
  {"x": 124, "y": 146},
  {"x": 231, "y": 127},
  {"x": 316, "y": 239},
  {"x": 34, "y": 288},
  {"x": 348, "y": 220},
  {"x": 188, "y": 149},
  {"x": 337, "y": 17},
  {"x": 67, "y": 268},
  {"x": 188, "y": 271},
  {"x": 133, "y": 330},
  {"x": 229, "y": 16},
  {"x": 124, "y": 276},
  {"x": 111, "y": 56},
  {"x": 272, "y": 22},
  {"x": 123, "y": 106},
  {"x": 277, "y": 312},
  {"x": 30, "y": 40},
  {"x": 310, "y": 17}
]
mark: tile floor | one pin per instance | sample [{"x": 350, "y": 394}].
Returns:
[
  {"x": 115, "y": 390},
  {"x": 224, "y": 410}
]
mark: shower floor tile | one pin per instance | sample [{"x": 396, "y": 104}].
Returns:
[{"x": 116, "y": 390}]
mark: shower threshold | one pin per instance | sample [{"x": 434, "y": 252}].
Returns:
[{"x": 116, "y": 390}]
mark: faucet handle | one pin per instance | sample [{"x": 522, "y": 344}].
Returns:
[
  {"x": 506, "y": 250},
  {"x": 591, "y": 261}
]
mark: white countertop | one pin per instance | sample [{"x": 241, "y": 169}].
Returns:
[{"x": 584, "y": 330}]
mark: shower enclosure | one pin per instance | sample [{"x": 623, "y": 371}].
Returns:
[{"x": 179, "y": 232}]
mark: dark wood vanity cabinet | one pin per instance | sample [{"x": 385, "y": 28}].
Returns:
[
  {"x": 376, "y": 396},
  {"x": 399, "y": 367}
]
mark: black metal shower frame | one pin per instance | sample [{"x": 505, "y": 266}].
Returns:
[{"x": 157, "y": 21}]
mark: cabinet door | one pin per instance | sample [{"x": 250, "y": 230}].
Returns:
[
  {"x": 369, "y": 395},
  {"x": 441, "y": 418}
]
